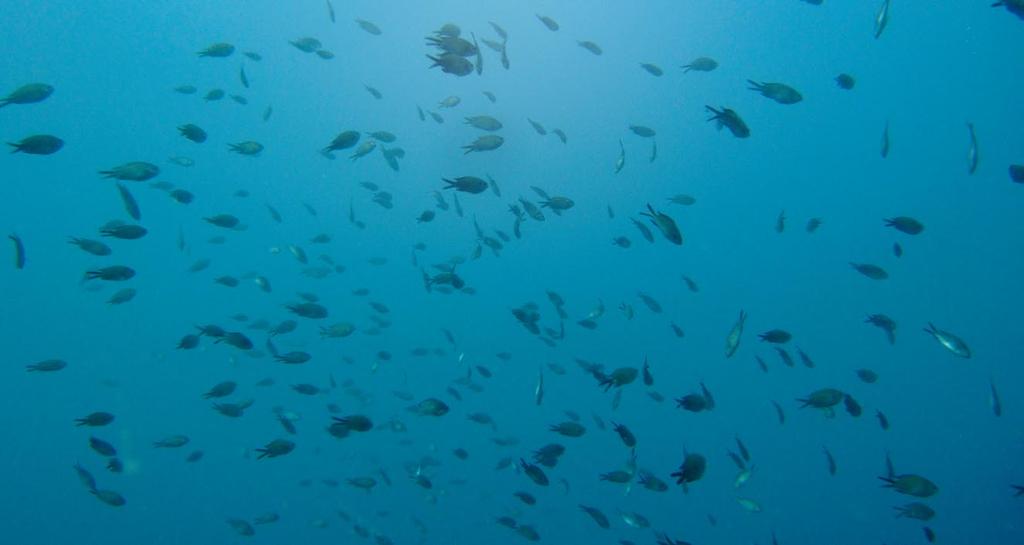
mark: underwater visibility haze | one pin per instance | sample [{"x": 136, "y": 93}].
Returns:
[{"x": 669, "y": 272}]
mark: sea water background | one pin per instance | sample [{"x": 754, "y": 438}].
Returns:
[{"x": 114, "y": 63}]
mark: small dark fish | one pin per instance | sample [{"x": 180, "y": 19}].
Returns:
[
  {"x": 597, "y": 515},
  {"x": 102, "y": 447},
  {"x": 779, "y": 412},
  {"x": 19, "y": 251},
  {"x": 218, "y": 50},
  {"x": 701, "y": 64},
  {"x": 1017, "y": 171},
  {"x": 95, "y": 419},
  {"x": 885, "y": 141},
  {"x": 368, "y": 27},
  {"x": 109, "y": 497},
  {"x": 779, "y": 92},
  {"x": 972, "y": 150},
  {"x": 652, "y": 69},
  {"x": 905, "y": 224},
  {"x": 642, "y": 131},
  {"x": 135, "y": 171},
  {"x": 46, "y": 366},
  {"x": 122, "y": 296},
  {"x": 776, "y": 336},
  {"x": 997, "y": 406},
  {"x": 130, "y": 204},
  {"x": 28, "y": 94},
  {"x": 591, "y": 46},
  {"x": 867, "y": 375},
  {"x": 114, "y": 273},
  {"x": 845, "y": 81},
  {"x": 883, "y": 421},
  {"x": 193, "y": 132},
  {"x": 729, "y": 119},
  {"x": 548, "y": 22},
  {"x": 871, "y": 271},
  {"x": 38, "y": 144},
  {"x": 831, "y": 461},
  {"x": 85, "y": 477},
  {"x": 743, "y": 449}
]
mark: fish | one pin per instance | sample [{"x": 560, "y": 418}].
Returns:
[
  {"x": 330, "y": 11},
  {"x": 884, "y": 150},
  {"x": 652, "y": 69},
  {"x": 537, "y": 127},
  {"x": 591, "y": 47},
  {"x": 621, "y": 161},
  {"x": 725, "y": 117},
  {"x": 31, "y": 93},
  {"x": 130, "y": 204},
  {"x": 701, "y": 64},
  {"x": 952, "y": 343},
  {"x": 972, "y": 150},
  {"x": 368, "y": 27},
  {"x": 831, "y": 461},
  {"x": 19, "y": 251},
  {"x": 881, "y": 19},
  {"x": 548, "y": 22},
  {"x": 997, "y": 406},
  {"x": 779, "y": 92},
  {"x": 779, "y": 412}
]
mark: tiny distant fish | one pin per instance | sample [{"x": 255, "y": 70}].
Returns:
[
  {"x": 779, "y": 412},
  {"x": 831, "y": 461},
  {"x": 882, "y": 19},
  {"x": 885, "y": 139},
  {"x": 330, "y": 10},
  {"x": 538, "y": 391},
  {"x": 19, "y": 251},
  {"x": 368, "y": 27},
  {"x": 130, "y": 204},
  {"x": 997, "y": 406},
  {"x": 591, "y": 46},
  {"x": 548, "y": 22},
  {"x": 537, "y": 127},
  {"x": 972, "y": 150},
  {"x": 652, "y": 69},
  {"x": 883, "y": 421}
]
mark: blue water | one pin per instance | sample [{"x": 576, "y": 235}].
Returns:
[{"x": 114, "y": 66}]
